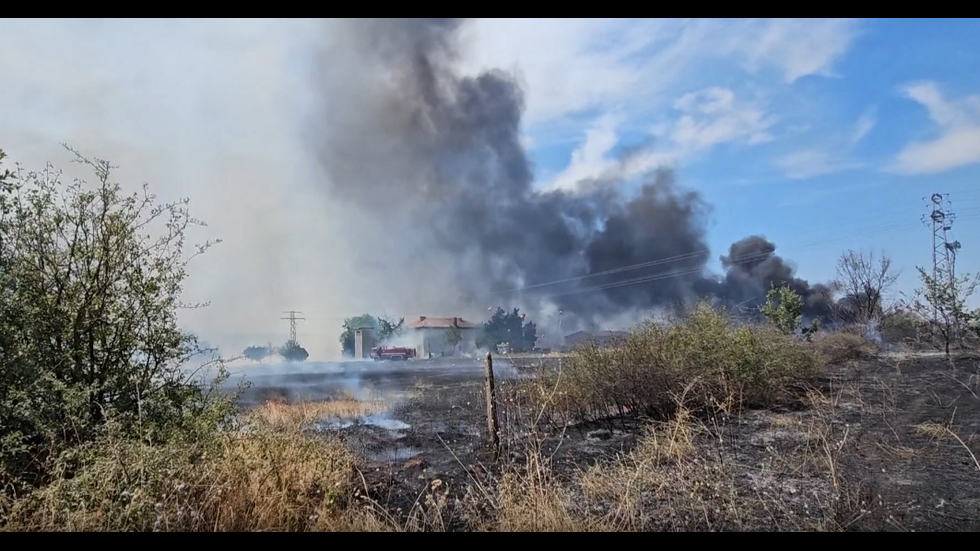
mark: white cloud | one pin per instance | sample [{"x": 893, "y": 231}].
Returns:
[
  {"x": 958, "y": 143},
  {"x": 810, "y": 163},
  {"x": 834, "y": 156},
  {"x": 591, "y": 158},
  {"x": 707, "y": 118},
  {"x": 955, "y": 148},
  {"x": 864, "y": 126},
  {"x": 797, "y": 47},
  {"x": 573, "y": 65},
  {"x": 712, "y": 116}
]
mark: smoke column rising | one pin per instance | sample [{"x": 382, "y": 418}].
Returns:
[
  {"x": 429, "y": 165},
  {"x": 378, "y": 180}
]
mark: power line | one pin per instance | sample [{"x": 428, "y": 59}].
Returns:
[
  {"x": 883, "y": 226},
  {"x": 877, "y": 229},
  {"x": 741, "y": 260},
  {"x": 685, "y": 256},
  {"x": 292, "y": 323}
]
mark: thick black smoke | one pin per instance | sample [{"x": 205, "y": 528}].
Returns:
[
  {"x": 432, "y": 161},
  {"x": 752, "y": 267}
]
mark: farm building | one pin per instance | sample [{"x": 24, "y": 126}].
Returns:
[{"x": 431, "y": 335}]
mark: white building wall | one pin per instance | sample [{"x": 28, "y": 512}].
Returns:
[
  {"x": 364, "y": 340},
  {"x": 433, "y": 341}
]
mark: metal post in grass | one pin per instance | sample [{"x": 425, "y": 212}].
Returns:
[{"x": 493, "y": 429}]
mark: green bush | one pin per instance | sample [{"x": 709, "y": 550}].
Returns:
[
  {"x": 705, "y": 360},
  {"x": 88, "y": 319}
]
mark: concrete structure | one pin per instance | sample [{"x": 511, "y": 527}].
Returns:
[
  {"x": 430, "y": 336},
  {"x": 364, "y": 340},
  {"x": 602, "y": 338}
]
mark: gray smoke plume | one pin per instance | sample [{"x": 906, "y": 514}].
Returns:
[{"x": 429, "y": 168}]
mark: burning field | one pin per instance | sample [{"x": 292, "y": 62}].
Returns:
[
  {"x": 706, "y": 424},
  {"x": 839, "y": 436}
]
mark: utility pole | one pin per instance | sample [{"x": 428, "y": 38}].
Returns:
[{"x": 292, "y": 323}]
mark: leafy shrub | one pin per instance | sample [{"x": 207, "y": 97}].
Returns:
[
  {"x": 784, "y": 309},
  {"x": 705, "y": 360}
]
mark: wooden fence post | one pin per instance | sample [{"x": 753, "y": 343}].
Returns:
[{"x": 492, "y": 427}]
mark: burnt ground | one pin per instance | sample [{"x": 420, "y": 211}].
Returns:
[
  {"x": 896, "y": 411},
  {"x": 888, "y": 429}
]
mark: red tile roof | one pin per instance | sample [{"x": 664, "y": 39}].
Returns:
[{"x": 425, "y": 322}]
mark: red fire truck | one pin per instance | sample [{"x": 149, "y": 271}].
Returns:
[{"x": 394, "y": 353}]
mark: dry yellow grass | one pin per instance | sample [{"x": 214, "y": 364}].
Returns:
[
  {"x": 786, "y": 421},
  {"x": 845, "y": 346},
  {"x": 932, "y": 430},
  {"x": 665, "y": 481},
  {"x": 282, "y": 414},
  {"x": 936, "y": 431},
  {"x": 275, "y": 478},
  {"x": 268, "y": 480}
]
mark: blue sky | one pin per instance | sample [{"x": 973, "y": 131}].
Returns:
[{"x": 820, "y": 134}]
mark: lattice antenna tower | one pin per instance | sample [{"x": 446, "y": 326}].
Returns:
[
  {"x": 292, "y": 316},
  {"x": 939, "y": 220}
]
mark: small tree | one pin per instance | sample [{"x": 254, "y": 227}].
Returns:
[
  {"x": 783, "y": 308},
  {"x": 454, "y": 336},
  {"x": 293, "y": 352},
  {"x": 863, "y": 280},
  {"x": 257, "y": 353},
  {"x": 941, "y": 304},
  {"x": 388, "y": 328}
]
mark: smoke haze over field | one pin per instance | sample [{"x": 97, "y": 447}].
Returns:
[{"x": 352, "y": 166}]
